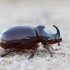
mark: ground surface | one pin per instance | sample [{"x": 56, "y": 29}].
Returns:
[{"x": 32, "y": 13}]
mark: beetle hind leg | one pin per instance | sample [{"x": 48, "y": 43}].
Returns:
[{"x": 7, "y": 52}]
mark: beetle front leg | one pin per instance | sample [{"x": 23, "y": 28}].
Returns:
[
  {"x": 52, "y": 47},
  {"x": 45, "y": 46},
  {"x": 58, "y": 44}
]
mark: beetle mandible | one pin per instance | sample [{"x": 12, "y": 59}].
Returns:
[{"x": 25, "y": 37}]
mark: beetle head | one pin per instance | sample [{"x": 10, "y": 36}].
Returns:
[
  {"x": 48, "y": 36},
  {"x": 57, "y": 36}
]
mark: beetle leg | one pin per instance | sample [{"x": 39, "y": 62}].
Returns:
[
  {"x": 51, "y": 47},
  {"x": 46, "y": 46},
  {"x": 7, "y": 52},
  {"x": 58, "y": 44},
  {"x": 34, "y": 51}
]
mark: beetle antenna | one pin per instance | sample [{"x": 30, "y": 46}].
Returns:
[{"x": 58, "y": 32}]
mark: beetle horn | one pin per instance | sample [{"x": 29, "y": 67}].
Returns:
[{"x": 58, "y": 32}]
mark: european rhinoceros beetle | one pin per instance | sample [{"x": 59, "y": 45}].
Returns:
[{"x": 25, "y": 37}]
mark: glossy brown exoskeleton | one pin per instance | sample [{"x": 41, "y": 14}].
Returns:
[{"x": 25, "y": 37}]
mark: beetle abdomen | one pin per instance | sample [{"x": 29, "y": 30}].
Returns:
[{"x": 18, "y": 33}]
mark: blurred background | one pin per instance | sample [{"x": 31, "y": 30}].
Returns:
[{"x": 33, "y": 13}]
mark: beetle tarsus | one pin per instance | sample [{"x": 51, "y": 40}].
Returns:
[{"x": 45, "y": 46}]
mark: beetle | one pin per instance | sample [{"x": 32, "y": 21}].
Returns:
[{"x": 16, "y": 38}]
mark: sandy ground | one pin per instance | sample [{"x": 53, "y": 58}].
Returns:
[{"x": 32, "y": 13}]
